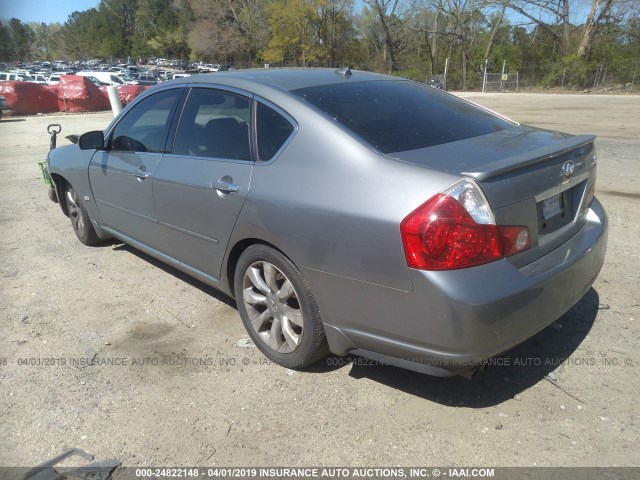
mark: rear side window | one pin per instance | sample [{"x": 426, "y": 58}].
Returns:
[
  {"x": 273, "y": 131},
  {"x": 397, "y": 115},
  {"x": 214, "y": 124}
]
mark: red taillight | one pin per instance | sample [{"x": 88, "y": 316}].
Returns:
[{"x": 442, "y": 235}]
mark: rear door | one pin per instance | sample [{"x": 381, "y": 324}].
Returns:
[
  {"x": 201, "y": 186},
  {"x": 121, "y": 176}
]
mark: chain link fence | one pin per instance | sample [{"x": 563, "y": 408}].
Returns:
[
  {"x": 500, "y": 82},
  {"x": 602, "y": 77}
]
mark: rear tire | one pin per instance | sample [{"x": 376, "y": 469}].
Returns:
[
  {"x": 278, "y": 309},
  {"x": 80, "y": 220}
]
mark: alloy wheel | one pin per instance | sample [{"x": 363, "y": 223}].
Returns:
[
  {"x": 75, "y": 213},
  {"x": 273, "y": 306}
]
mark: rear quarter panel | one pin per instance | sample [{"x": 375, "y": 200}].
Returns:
[{"x": 334, "y": 205}]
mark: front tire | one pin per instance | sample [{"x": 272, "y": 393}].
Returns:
[
  {"x": 51, "y": 193},
  {"x": 80, "y": 220},
  {"x": 278, "y": 309}
]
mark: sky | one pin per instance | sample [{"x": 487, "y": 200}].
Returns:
[
  {"x": 51, "y": 11},
  {"x": 47, "y": 11}
]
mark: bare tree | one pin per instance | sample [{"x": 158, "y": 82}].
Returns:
[
  {"x": 386, "y": 9},
  {"x": 494, "y": 30},
  {"x": 557, "y": 9},
  {"x": 599, "y": 10}
]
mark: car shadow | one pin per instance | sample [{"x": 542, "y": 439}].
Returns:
[
  {"x": 508, "y": 375},
  {"x": 9, "y": 120},
  {"x": 117, "y": 245}
]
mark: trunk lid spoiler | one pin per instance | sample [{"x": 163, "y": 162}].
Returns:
[{"x": 528, "y": 159}]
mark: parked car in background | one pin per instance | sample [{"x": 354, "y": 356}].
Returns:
[
  {"x": 347, "y": 211},
  {"x": 10, "y": 77},
  {"x": 145, "y": 78},
  {"x": 53, "y": 79},
  {"x": 208, "y": 67},
  {"x": 36, "y": 78},
  {"x": 4, "y": 107},
  {"x": 436, "y": 83},
  {"x": 110, "y": 78},
  {"x": 162, "y": 75},
  {"x": 97, "y": 82}
]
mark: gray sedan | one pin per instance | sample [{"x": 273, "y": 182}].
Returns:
[{"x": 347, "y": 212}]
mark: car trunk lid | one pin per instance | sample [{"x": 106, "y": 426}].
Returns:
[{"x": 530, "y": 177}]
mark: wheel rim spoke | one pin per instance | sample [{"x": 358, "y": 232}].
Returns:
[
  {"x": 293, "y": 315},
  {"x": 275, "y": 333},
  {"x": 260, "y": 319},
  {"x": 70, "y": 197},
  {"x": 291, "y": 337},
  {"x": 286, "y": 291},
  {"x": 257, "y": 280},
  {"x": 252, "y": 297},
  {"x": 270, "y": 276},
  {"x": 77, "y": 220}
]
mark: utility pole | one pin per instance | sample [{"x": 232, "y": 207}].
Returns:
[
  {"x": 446, "y": 69},
  {"x": 484, "y": 77}
]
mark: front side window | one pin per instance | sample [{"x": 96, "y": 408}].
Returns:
[
  {"x": 273, "y": 131},
  {"x": 397, "y": 115},
  {"x": 214, "y": 124},
  {"x": 144, "y": 128}
]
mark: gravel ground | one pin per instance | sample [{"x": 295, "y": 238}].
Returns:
[{"x": 173, "y": 382}]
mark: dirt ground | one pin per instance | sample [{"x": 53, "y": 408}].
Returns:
[{"x": 173, "y": 383}]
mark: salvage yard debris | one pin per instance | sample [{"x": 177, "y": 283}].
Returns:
[{"x": 73, "y": 94}]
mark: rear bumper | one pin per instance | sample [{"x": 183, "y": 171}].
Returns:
[{"x": 454, "y": 320}]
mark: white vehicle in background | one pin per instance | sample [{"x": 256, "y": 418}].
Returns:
[
  {"x": 208, "y": 67},
  {"x": 110, "y": 78},
  {"x": 35, "y": 78},
  {"x": 53, "y": 79},
  {"x": 10, "y": 77}
]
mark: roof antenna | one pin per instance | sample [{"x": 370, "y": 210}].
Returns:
[{"x": 345, "y": 72}]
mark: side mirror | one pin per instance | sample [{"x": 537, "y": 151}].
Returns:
[{"x": 91, "y": 140}]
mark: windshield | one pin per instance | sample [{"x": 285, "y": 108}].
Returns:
[{"x": 398, "y": 115}]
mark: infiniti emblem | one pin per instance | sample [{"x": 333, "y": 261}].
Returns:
[{"x": 568, "y": 168}]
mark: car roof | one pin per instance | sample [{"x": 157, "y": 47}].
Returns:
[{"x": 287, "y": 79}]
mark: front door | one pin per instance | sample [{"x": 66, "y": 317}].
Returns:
[{"x": 122, "y": 175}]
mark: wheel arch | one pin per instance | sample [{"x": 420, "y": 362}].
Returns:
[
  {"x": 234, "y": 255},
  {"x": 60, "y": 184}
]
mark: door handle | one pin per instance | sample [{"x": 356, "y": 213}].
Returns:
[
  {"x": 142, "y": 175},
  {"x": 225, "y": 187}
]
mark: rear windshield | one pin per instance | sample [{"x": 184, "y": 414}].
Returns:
[{"x": 397, "y": 115}]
